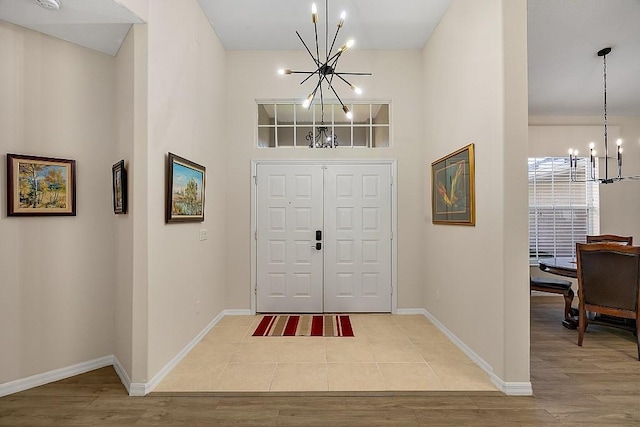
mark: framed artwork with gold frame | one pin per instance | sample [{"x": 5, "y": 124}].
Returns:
[{"x": 453, "y": 188}]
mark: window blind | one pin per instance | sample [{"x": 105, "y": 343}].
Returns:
[{"x": 561, "y": 212}]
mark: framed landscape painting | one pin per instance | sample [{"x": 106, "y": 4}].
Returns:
[
  {"x": 40, "y": 186},
  {"x": 119, "y": 183},
  {"x": 453, "y": 188},
  {"x": 185, "y": 190}
]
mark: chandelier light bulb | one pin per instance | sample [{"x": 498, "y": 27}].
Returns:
[
  {"x": 619, "y": 142},
  {"x": 307, "y": 102},
  {"x": 575, "y": 153},
  {"x": 347, "y": 45},
  {"x": 571, "y": 151},
  {"x": 348, "y": 113},
  {"x": 314, "y": 13},
  {"x": 620, "y": 150},
  {"x": 356, "y": 89},
  {"x": 593, "y": 153},
  {"x": 343, "y": 15},
  {"x": 592, "y": 145},
  {"x": 281, "y": 71}
]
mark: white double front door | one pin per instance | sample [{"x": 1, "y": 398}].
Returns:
[{"x": 323, "y": 238}]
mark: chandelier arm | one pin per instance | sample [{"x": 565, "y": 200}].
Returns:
[
  {"x": 336, "y": 94},
  {"x": 302, "y": 72},
  {"x": 329, "y": 80},
  {"x": 311, "y": 73},
  {"x": 317, "y": 62},
  {"x": 335, "y": 56},
  {"x": 313, "y": 94},
  {"x": 333, "y": 42},
  {"x": 353, "y": 74},
  {"x": 343, "y": 79},
  {"x": 315, "y": 29}
]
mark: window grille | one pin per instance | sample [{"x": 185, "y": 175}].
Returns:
[{"x": 288, "y": 125}]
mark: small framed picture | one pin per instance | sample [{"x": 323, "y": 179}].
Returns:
[
  {"x": 453, "y": 188},
  {"x": 185, "y": 190},
  {"x": 119, "y": 180},
  {"x": 40, "y": 186}
]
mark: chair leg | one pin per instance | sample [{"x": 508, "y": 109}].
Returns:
[
  {"x": 582, "y": 323},
  {"x": 638, "y": 333},
  {"x": 568, "y": 300}
]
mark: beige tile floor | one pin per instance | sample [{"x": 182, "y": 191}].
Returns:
[{"x": 388, "y": 353}]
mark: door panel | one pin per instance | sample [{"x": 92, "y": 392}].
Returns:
[
  {"x": 351, "y": 205},
  {"x": 290, "y": 210},
  {"x": 357, "y": 238}
]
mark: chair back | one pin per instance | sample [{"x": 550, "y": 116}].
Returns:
[
  {"x": 610, "y": 238},
  {"x": 609, "y": 275}
]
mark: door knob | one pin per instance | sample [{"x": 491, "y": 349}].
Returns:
[{"x": 318, "y": 246}]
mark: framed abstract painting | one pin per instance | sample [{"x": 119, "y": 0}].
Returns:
[
  {"x": 453, "y": 188},
  {"x": 185, "y": 190},
  {"x": 40, "y": 186}
]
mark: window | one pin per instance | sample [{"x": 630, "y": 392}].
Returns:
[
  {"x": 286, "y": 124},
  {"x": 561, "y": 212}
]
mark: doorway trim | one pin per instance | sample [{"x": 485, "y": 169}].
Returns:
[{"x": 394, "y": 215}]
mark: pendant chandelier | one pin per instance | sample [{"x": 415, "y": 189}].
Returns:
[
  {"x": 573, "y": 154},
  {"x": 325, "y": 71}
]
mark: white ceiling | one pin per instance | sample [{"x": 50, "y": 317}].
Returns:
[
  {"x": 374, "y": 24},
  {"x": 100, "y": 25},
  {"x": 565, "y": 74}
]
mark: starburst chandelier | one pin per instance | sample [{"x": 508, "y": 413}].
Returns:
[
  {"x": 325, "y": 71},
  {"x": 573, "y": 154}
]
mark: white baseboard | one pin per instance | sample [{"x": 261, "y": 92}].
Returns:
[
  {"x": 508, "y": 388},
  {"x": 55, "y": 375},
  {"x": 237, "y": 312},
  {"x": 141, "y": 389},
  {"x": 513, "y": 388},
  {"x": 122, "y": 373},
  {"x": 411, "y": 311}
]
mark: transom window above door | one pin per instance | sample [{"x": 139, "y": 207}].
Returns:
[{"x": 289, "y": 125}]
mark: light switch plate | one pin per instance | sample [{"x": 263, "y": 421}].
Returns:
[{"x": 203, "y": 234}]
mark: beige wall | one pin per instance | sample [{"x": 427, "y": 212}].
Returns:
[
  {"x": 253, "y": 76},
  {"x": 186, "y": 116},
  {"x": 475, "y": 279},
  {"x": 131, "y": 287},
  {"x": 164, "y": 285},
  {"x": 619, "y": 202},
  {"x": 56, "y": 273},
  {"x": 123, "y": 224}
]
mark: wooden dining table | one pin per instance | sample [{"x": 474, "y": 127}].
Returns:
[{"x": 566, "y": 267}]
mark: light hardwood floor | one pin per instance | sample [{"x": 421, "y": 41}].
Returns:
[{"x": 597, "y": 384}]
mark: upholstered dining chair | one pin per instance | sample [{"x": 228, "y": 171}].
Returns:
[
  {"x": 610, "y": 238},
  {"x": 608, "y": 283}
]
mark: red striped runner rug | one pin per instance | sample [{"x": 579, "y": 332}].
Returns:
[{"x": 304, "y": 325}]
